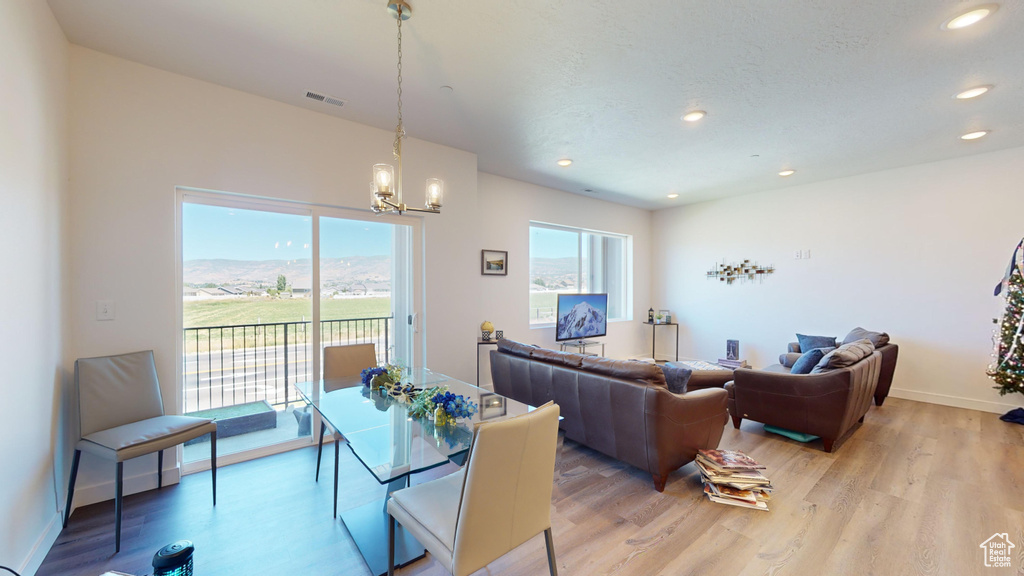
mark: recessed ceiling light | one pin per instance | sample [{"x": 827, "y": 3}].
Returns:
[
  {"x": 787, "y": 172},
  {"x": 564, "y": 162},
  {"x": 973, "y": 16},
  {"x": 694, "y": 116},
  {"x": 673, "y": 195},
  {"x": 974, "y": 135},
  {"x": 973, "y": 92}
]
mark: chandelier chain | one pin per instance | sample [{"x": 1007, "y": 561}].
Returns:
[{"x": 399, "y": 129}]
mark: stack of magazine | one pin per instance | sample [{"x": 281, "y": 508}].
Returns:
[{"x": 733, "y": 478}]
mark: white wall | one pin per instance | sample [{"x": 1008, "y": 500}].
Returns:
[
  {"x": 913, "y": 251},
  {"x": 506, "y": 209},
  {"x": 33, "y": 172},
  {"x": 138, "y": 132}
]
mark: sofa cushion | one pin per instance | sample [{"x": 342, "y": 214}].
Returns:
[
  {"x": 812, "y": 342},
  {"x": 676, "y": 377},
  {"x": 845, "y": 355},
  {"x": 625, "y": 369},
  {"x": 808, "y": 360},
  {"x": 561, "y": 358},
  {"x": 515, "y": 348},
  {"x": 879, "y": 339}
]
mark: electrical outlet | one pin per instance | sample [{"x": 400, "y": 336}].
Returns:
[
  {"x": 104, "y": 309},
  {"x": 798, "y": 255}
]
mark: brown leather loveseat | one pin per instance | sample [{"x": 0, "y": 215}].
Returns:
[
  {"x": 619, "y": 407},
  {"x": 826, "y": 404}
]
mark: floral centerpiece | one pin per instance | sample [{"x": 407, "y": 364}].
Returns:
[
  {"x": 436, "y": 402},
  {"x": 449, "y": 407}
]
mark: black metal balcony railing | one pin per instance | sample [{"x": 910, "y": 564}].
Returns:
[{"x": 229, "y": 365}]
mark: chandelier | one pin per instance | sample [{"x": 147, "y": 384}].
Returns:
[{"x": 386, "y": 189}]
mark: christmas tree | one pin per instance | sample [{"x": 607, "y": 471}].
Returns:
[{"x": 1008, "y": 368}]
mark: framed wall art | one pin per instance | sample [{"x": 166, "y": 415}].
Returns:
[{"x": 494, "y": 262}]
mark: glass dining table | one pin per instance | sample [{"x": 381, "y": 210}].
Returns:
[{"x": 392, "y": 445}]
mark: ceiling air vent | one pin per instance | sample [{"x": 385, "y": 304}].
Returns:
[{"x": 325, "y": 99}]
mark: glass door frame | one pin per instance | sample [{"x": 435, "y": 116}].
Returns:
[{"x": 185, "y": 194}]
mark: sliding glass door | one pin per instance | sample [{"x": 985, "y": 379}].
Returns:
[{"x": 267, "y": 285}]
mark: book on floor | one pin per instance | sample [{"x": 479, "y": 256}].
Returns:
[{"x": 728, "y": 460}]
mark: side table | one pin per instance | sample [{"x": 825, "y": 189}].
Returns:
[{"x": 654, "y": 338}]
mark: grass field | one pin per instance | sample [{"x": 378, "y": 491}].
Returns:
[
  {"x": 542, "y": 306},
  {"x": 230, "y": 312}
]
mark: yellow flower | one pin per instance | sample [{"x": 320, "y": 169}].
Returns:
[{"x": 487, "y": 327}]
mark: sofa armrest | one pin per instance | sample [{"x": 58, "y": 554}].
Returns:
[
  {"x": 678, "y": 425},
  {"x": 789, "y": 358},
  {"x": 703, "y": 379},
  {"x": 794, "y": 347}
]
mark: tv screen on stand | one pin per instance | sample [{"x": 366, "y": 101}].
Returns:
[{"x": 581, "y": 316}]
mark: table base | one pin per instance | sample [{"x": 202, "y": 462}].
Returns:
[{"x": 368, "y": 525}]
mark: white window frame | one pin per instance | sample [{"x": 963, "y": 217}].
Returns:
[{"x": 627, "y": 264}]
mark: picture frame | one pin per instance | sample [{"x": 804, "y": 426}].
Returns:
[
  {"x": 732, "y": 349},
  {"x": 494, "y": 262}
]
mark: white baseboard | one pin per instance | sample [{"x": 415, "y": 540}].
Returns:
[
  {"x": 955, "y": 401},
  {"x": 42, "y": 546},
  {"x": 85, "y": 495}
]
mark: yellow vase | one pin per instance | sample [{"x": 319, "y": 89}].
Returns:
[{"x": 441, "y": 417}]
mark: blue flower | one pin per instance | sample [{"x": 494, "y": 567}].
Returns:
[{"x": 367, "y": 374}]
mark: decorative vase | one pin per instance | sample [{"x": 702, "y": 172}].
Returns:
[
  {"x": 485, "y": 336},
  {"x": 499, "y": 334}
]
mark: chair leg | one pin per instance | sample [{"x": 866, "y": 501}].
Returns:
[
  {"x": 71, "y": 486},
  {"x": 118, "y": 492},
  {"x": 213, "y": 464},
  {"x": 659, "y": 481},
  {"x": 828, "y": 443},
  {"x": 391, "y": 545},
  {"x": 550, "y": 543},
  {"x": 336, "y": 479},
  {"x": 320, "y": 449},
  {"x": 736, "y": 421},
  {"x": 159, "y": 469}
]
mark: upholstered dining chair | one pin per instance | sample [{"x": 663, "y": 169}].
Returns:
[
  {"x": 500, "y": 499},
  {"x": 121, "y": 416},
  {"x": 342, "y": 367}
]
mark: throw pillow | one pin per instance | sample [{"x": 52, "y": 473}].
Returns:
[
  {"x": 845, "y": 355},
  {"x": 808, "y": 360},
  {"x": 812, "y": 342},
  {"x": 879, "y": 339},
  {"x": 676, "y": 376}
]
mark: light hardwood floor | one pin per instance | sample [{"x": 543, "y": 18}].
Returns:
[{"x": 914, "y": 490}]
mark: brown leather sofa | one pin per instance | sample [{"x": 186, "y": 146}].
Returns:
[
  {"x": 889, "y": 354},
  {"x": 621, "y": 408},
  {"x": 826, "y": 405}
]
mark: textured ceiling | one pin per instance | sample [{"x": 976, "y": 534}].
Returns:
[{"x": 831, "y": 88}]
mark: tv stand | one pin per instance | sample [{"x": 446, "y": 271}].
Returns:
[{"x": 581, "y": 345}]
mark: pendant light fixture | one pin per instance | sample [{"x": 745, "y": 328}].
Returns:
[{"x": 386, "y": 189}]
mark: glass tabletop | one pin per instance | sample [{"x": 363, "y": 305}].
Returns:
[{"x": 386, "y": 438}]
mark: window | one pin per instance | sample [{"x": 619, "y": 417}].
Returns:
[{"x": 577, "y": 261}]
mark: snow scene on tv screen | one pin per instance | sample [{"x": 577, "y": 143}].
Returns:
[{"x": 581, "y": 315}]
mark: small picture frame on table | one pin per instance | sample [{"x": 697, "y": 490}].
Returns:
[{"x": 494, "y": 262}]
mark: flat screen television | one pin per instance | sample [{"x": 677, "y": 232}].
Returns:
[{"x": 581, "y": 316}]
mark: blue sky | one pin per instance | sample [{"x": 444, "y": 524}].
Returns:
[
  {"x": 549, "y": 243},
  {"x": 215, "y": 232}
]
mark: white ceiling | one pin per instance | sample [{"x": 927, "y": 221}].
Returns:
[{"x": 831, "y": 88}]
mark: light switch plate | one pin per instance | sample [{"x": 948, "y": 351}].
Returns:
[
  {"x": 807, "y": 254},
  {"x": 104, "y": 309},
  {"x": 798, "y": 255}
]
